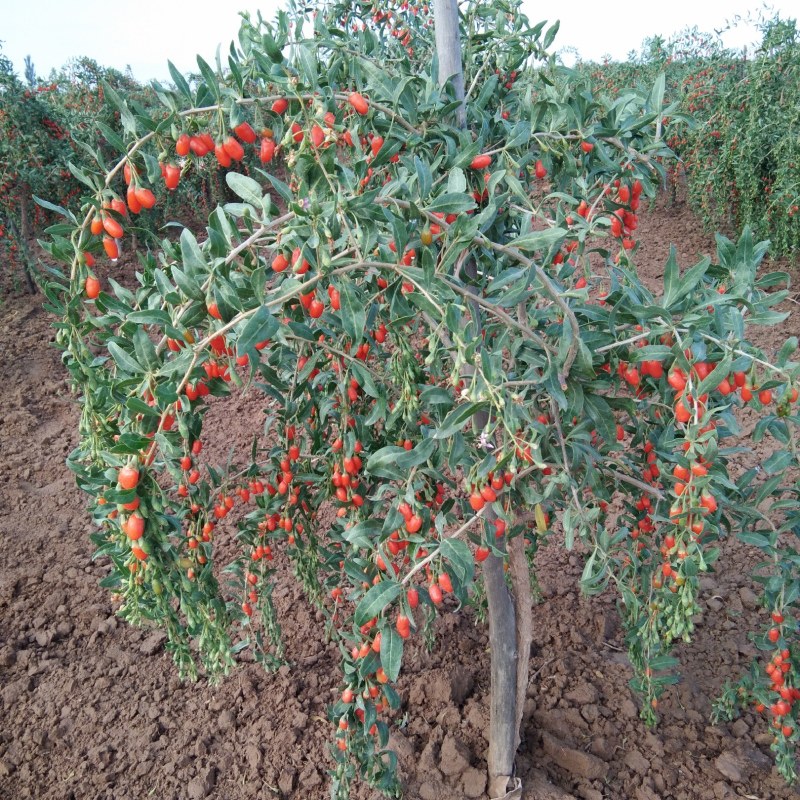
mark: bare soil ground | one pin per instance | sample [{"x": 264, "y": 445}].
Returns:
[{"x": 91, "y": 708}]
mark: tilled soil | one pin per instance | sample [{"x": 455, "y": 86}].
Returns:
[{"x": 92, "y": 708}]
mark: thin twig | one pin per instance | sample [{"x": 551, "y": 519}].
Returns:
[
  {"x": 502, "y": 315},
  {"x": 551, "y": 289},
  {"x": 427, "y": 560},
  {"x": 645, "y": 487}
]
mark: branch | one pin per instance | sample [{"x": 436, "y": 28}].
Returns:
[
  {"x": 645, "y": 487},
  {"x": 551, "y": 289},
  {"x": 427, "y": 560},
  {"x": 502, "y": 315}
]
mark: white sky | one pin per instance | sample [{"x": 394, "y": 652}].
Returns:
[{"x": 145, "y": 34}]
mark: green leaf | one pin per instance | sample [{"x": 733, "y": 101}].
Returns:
[
  {"x": 189, "y": 286},
  {"x": 364, "y": 378},
  {"x": 656, "y": 99},
  {"x": 395, "y": 462},
  {"x": 391, "y": 652},
  {"x": 138, "y": 406},
  {"x": 353, "y": 312},
  {"x": 262, "y": 325},
  {"x": 111, "y": 96},
  {"x": 717, "y": 375},
  {"x": 682, "y": 285},
  {"x": 671, "y": 274},
  {"x": 376, "y": 599},
  {"x": 457, "y": 419},
  {"x": 488, "y": 90},
  {"x": 777, "y": 462},
  {"x": 280, "y": 187},
  {"x": 308, "y": 64},
  {"x": 246, "y": 188},
  {"x": 417, "y": 455},
  {"x": 456, "y": 181},
  {"x": 551, "y": 34},
  {"x": 53, "y": 207},
  {"x": 788, "y": 348},
  {"x": 538, "y": 240},
  {"x": 180, "y": 82},
  {"x": 651, "y": 352},
  {"x": 271, "y": 47},
  {"x": 145, "y": 351},
  {"x": 383, "y": 463},
  {"x": 601, "y": 414},
  {"x": 361, "y": 534},
  {"x": 424, "y": 177},
  {"x": 209, "y": 77},
  {"x": 436, "y": 396},
  {"x": 452, "y": 203},
  {"x": 125, "y": 361},
  {"x": 460, "y": 559},
  {"x": 111, "y": 137},
  {"x": 149, "y": 317},
  {"x": 521, "y": 135},
  {"x": 191, "y": 254},
  {"x": 77, "y": 173},
  {"x": 760, "y": 540}
]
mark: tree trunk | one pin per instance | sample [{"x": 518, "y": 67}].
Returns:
[
  {"x": 505, "y": 699},
  {"x": 23, "y": 235},
  {"x": 523, "y": 608},
  {"x": 448, "y": 50}
]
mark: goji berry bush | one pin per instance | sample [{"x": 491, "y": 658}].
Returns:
[
  {"x": 740, "y": 153},
  {"x": 454, "y": 351},
  {"x": 44, "y": 126}
]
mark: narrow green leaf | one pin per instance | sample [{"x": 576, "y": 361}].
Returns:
[
  {"x": 53, "y": 207},
  {"x": 144, "y": 349},
  {"x": 424, "y": 177},
  {"x": 391, "y": 652},
  {"x": 245, "y": 187},
  {"x": 436, "y": 396},
  {"x": 778, "y": 462},
  {"x": 656, "y": 100},
  {"x": 452, "y": 203},
  {"x": 760, "y": 540},
  {"x": 671, "y": 275},
  {"x": 191, "y": 254},
  {"x": 520, "y": 135},
  {"x": 417, "y": 455},
  {"x": 149, "y": 317},
  {"x": 457, "y": 419},
  {"x": 92, "y": 182},
  {"x": 187, "y": 285},
  {"x": 488, "y": 90},
  {"x": 383, "y": 463},
  {"x": 456, "y": 181},
  {"x": 125, "y": 361},
  {"x": 271, "y": 46},
  {"x": 111, "y": 137},
  {"x": 459, "y": 558},
  {"x": 262, "y": 325},
  {"x": 364, "y": 378},
  {"x": 550, "y": 36},
  {"x": 376, "y": 599},
  {"x": 209, "y": 77},
  {"x": 538, "y": 240},
  {"x": 180, "y": 82},
  {"x": 353, "y": 312},
  {"x": 280, "y": 187},
  {"x": 308, "y": 64},
  {"x": 362, "y": 534},
  {"x": 717, "y": 375}
]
